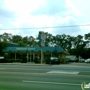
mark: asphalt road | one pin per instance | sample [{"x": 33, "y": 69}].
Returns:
[{"x": 44, "y": 77}]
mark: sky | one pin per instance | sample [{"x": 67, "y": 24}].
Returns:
[{"x": 44, "y": 13}]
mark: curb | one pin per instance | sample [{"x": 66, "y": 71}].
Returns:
[{"x": 25, "y": 64}]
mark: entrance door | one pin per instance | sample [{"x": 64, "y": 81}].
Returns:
[{"x": 31, "y": 57}]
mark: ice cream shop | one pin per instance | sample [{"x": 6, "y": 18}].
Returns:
[{"x": 29, "y": 54}]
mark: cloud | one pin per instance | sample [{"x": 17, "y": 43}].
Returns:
[
  {"x": 5, "y": 13},
  {"x": 72, "y": 9},
  {"x": 83, "y": 7},
  {"x": 1, "y": 25},
  {"x": 42, "y": 13},
  {"x": 58, "y": 7},
  {"x": 68, "y": 21},
  {"x": 27, "y": 21},
  {"x": 5, "y": 17},
  {"x": 85, "y": 29},
  {"x": 22, "y": 6},
  {"x": 51, "y": 8}
]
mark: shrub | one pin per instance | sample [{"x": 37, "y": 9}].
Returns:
[
  {"x": 24, "y": 60},
  {"x": 36, "y": 60},
  {"x": 47, "y": 60}
]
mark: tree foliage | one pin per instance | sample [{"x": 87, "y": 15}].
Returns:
[
  {"x": 3, "y": 44},
  {"x": 76, "y": 45}
]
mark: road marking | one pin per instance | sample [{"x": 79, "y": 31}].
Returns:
[
  {"x": 57, "y": 83},
  {"x": 63, "y": 72}
]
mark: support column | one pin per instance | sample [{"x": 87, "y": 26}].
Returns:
[
  {"x": 30, "y": 57},
  {"x": 41, "y": 55},
  {"x": 33, "y": 56},
  {"x": 15, "y": 56},
  {"x": 51, "y": 54},
  {"x": 21, "y": 55},
  {"x": 27, "y": 57}
]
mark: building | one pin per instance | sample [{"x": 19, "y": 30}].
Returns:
[{"x": 30, "y": 53}]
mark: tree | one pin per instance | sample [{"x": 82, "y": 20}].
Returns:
[
  {"x": 26, "y": 40},
  {"x": 60, "y": 41},
  {"x": 16, "y": 38},
  {"x": 22, "y": 44},
  {"x": 69, "y": 42},
  {"x": 2, "y": 46},
  {"x": 49, "y": 39},
  {"x": 32, "y": 41},
  {"x": 6, "y": 37},
  {"x": 78, "y": 45},
  {"x": 87, "y": 38}
]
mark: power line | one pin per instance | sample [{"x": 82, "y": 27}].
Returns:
[{"x": 45, "y": 27}]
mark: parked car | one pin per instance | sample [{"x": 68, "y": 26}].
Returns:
[
  {"x": 81, "y": 59},
  {"x": 54, "y": 60},
  {"x": 87, "y": 60},
  {"x": 2, "y": 59},
  {"x": 68, "y": 59},
  {"x": 71, "y": 58}
]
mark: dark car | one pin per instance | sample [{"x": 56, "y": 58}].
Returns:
[
  {"x": 2, "y": 59},
  {"x": 54, "y": 60}
]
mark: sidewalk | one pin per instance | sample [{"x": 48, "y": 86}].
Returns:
[
  {"x": 26, "y": 64},
  {"x": 78, "y": 63},
  {"x": 38, "y": 64}
]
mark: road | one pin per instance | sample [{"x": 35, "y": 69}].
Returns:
[{"x": 44, "y": 77}]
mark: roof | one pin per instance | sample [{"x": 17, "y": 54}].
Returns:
[
  {"x": 32, "y": 49},
  {"x": 11, "y": 44}
]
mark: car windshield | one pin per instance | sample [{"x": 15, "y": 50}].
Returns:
[{"x": 54, "y": 58}]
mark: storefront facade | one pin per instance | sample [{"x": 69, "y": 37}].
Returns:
[{"x": 30, "y": 53}]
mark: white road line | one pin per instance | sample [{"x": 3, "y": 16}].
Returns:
[
  {"x": 57, "y": 83},
  {"x": 63, "y": 72}
]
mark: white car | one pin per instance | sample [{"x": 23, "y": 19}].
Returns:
[
  {"x": 81, "y": 60},
  {"x": 87, "y": 60},
  {"x": 1, "y": 57}
]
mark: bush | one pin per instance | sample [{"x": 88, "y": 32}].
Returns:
[
  {"x": 63, "y": 61},
  {"x": 7, "y": 58},
  {"x": 17, "y": 60},
  {"x": 2, "y": 60},
  {"x": 24, "y": 60},
  {"x": 47, "y": 60},
  {"x": 36, "y": 60}
]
